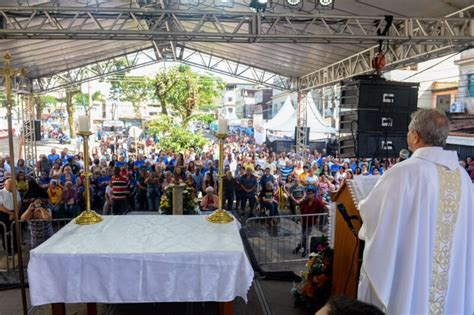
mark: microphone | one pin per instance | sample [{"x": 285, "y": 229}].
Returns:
[
  {"x": 347, "y": 218},
  {"x": 404, "y": 154}
]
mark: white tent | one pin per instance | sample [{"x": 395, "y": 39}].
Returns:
[
  {"x": 281, "y": 117},
  {"x": 318, "y": 128}
]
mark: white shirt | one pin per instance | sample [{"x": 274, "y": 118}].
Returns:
[{"x": 6, "y": 199}]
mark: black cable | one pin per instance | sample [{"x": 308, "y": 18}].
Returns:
[{"x": 389, "y": 21}]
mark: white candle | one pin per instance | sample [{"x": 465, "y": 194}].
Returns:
[
  {"x": 222, "y": 126},
  {"x": 84, "y": 124}
]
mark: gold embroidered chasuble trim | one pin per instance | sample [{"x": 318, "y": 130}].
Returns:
[{"x": 447, "y": 213}]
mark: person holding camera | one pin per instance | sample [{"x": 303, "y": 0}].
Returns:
[{"x": 39, "y": 222}]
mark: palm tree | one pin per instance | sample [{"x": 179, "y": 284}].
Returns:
[
  {"x": 41, "y": 102},
  {"x": 70, "y": 108}
]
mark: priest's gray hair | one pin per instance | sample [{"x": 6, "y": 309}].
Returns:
[{"x": 432, "y": 125}]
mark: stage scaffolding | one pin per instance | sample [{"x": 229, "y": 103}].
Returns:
[{"x": 28, "y": 139}]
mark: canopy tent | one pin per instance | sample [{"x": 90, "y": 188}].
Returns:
[
  {"x": 318, "y": 128},
  {"x": 229, "y": 113},
  {"x": 281, "y": 117}
]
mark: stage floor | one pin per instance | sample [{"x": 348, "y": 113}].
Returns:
[{"x": 265, "y": 297}]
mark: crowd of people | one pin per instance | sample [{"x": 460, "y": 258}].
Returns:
[{"x": 257, "y": 180}]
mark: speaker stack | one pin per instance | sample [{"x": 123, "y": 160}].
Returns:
[{"x": 374, "y": 116}]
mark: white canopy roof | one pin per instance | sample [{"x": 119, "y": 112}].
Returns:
[
  {"x": 318, "y": 128},
  {"x": 281, "y": 117}
]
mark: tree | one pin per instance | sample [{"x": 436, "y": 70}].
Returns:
[
  {"x": 173, "y": 136},
  {"x": 84, "y": 100},
  {"x": 185, "y": 92},
  {"x": 41, "y": 102},
  {"x": 133, "y": 89}
]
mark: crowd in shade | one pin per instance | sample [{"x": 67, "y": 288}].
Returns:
[{"x": 123, "y": 179}]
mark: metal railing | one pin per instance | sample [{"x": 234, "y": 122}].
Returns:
[
  {"x": 9, "y": 254},
  {"x": 281, "y": 239}
]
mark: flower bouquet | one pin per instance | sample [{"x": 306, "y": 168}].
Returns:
[
  {"x": 189, "y": 201},
  {"x": 315, "y": 287}
]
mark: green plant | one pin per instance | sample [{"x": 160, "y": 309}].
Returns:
[{"x": 189, "y": 202}]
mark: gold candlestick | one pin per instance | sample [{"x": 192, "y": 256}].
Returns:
[
  {"x": 88, "y": 216},
  {"x": 221, "y": 215},
  {"x": 9, "y": 72}
]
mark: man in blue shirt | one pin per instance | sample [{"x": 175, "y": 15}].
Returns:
[
  {"x": 267, "y": 177},
  {"x": 121, "y": 162},
  {"x": 248, "y": 183},
  {"x": 53, "y": 156},
  {"x": 140, "y": 162}
]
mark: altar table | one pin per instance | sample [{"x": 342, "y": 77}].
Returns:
[{"x": 141, "y": 259}]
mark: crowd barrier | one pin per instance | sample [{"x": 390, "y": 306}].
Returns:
[
  {"x": 273, "y": 239},
  {"x": 9, "y": 261}
]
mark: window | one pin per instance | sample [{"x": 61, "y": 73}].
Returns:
[
  {"x": 470, "y": 84},
  {"x": 443, "y": 102},
  {"x": 229, "y": 99}
]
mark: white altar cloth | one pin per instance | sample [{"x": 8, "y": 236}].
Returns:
[{"x": 139, "y": 259}]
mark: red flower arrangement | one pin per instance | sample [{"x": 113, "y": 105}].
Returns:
[{"x": 315, "y": 287}]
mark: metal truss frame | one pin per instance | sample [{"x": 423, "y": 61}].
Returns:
[
  {"x": 360, "y": 63},
  {"x": 395, "y": 55},
  {"x": 143, "y": 58},
  {"x": 28, "y": 133},
  {"x": 21, "y": 85},
  {"x": 96, "y": 70},
  {"x": 301, "y": 140},
  {"x": 89, "y": 23},
  {"x": 234, "y": 69}
]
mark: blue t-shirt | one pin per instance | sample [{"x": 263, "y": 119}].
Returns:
[
  {"x": 120, "y": 164},
  {"x": 44, "y": 181},
  {"x": 249, "y": 182},
  {"x": 63, "y": 179},
  {"x": 53, "y": 157},
  {"x": 139, "y": 163},
  {"x": 103, "y": 179}
]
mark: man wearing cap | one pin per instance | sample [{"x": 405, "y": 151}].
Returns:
[{"x": 311, "y": 205}]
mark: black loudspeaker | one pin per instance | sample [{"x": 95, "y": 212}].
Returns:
[
  {"x": 306, "y": 131},
  {"x": 37, "y": 130},
  {"x": 393, "y": 121},
  {"x": 372, "y": 145},
  {"x": 374, "y": 92},
  {"x": 374, "y": 116}
]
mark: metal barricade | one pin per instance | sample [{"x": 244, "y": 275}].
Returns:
[
  {"x": 5, "y": 265},
  {"x": 280, "y": 239},
  {"x": 26, "y": 238}
]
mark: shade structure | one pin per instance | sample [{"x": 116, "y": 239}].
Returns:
[
  {"x": 318, "y": 128},
  {"x": 281, "y": 117}
]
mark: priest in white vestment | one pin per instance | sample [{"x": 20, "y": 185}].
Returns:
[{"x": 418, "y": 227}]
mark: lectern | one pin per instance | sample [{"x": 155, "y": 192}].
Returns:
[{"x": 347, "y": 247}]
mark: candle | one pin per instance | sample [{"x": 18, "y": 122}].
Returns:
[
  {"x": 222, "y": 126},
  {"x": 84, "y": 124}
]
